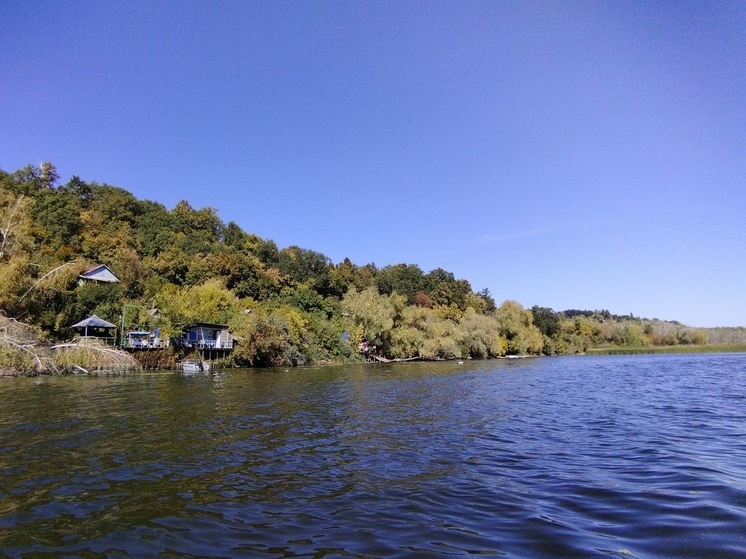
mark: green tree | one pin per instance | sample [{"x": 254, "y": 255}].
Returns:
[
  {"x": 153, "y": 230},
  {"x": 482, "y": 335},
  {"x": 238, "y": 240},
  {"x": 446, "y": 290},
  {"x": 305, "y": 266},
  {"x": 201, "y": 229},
  {"x": 48, "y": 175},
  {"x": 517, "y": 328},
  {"x": 346, "y": 275},
  {"x": 546, "y": 320},
  {"x": 444, "y": 339},
  {"x": 404, "y": 279},
  {"x": 631, "y": 335},
  {"x": 80, "y": 190},
  {"x": 372, "y": 312},
  {"x": 577, "y": 334},
  {"x": 209, "y": 302},
  {"x": 57, "y": 223},
  {"x": 268, "y": 253}
]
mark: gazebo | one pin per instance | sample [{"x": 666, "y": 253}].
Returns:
[{"x": 98, "y": 325}]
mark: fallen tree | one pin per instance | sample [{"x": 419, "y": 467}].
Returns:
[
  {"x": 23, "y": 353},
  {"x": 88, "y": 355}
]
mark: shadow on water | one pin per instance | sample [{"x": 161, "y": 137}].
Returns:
[{"x": 621, "y": 456}]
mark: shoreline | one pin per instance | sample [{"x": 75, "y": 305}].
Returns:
[
  {"x": 650, "y": 350},
  {"x": 713, "y": 348}
]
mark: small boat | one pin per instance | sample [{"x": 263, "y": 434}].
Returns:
[{"x": 194, "y": 366}]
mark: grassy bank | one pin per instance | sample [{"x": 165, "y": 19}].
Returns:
[{"x": 714, "y": 348}]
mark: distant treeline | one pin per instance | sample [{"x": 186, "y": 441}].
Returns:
[{"x": 286, "y": 306}]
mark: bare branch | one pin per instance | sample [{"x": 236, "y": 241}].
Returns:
[
  {"x": 45, "y": 276},
  {"x": 5, "y": 232}
]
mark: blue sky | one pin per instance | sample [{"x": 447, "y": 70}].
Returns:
[{"x": 572, "y": 155}]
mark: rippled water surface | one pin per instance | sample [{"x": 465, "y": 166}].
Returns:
[{"x": 608, "y": 456}]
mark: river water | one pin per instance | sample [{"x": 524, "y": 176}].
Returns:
[{"x": 607, "y": 456}]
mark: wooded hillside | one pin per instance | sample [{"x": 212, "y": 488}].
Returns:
[{"x": 286, "y": 306}]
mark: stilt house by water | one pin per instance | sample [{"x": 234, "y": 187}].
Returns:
[{"x": 210, "y": 340}]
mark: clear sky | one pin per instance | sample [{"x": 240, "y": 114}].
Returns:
[{"x": 586, "y": 155}]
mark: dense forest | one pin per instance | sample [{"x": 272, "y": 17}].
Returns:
[{"x": 285, "y": 306}]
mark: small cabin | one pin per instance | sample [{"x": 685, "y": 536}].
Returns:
[
  {"x": 204, "y": 335},
  {"x": 98, "y": 274},
  {"x": 211, "y": 341}
]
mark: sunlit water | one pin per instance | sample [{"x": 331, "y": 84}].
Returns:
[{"x": 609, "y": 456}]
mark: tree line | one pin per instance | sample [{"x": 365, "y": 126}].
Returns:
[{"x": 286, "y": 306}]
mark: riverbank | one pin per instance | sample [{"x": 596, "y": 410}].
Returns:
[
  {"x": 712, "y": 348},
  {"x": 94, "y": 358}
]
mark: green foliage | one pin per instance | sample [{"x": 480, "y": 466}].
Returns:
[
  {"x": 631, "y": 335},
  {"x": 181, "y": 307},
  {"x": 444, "y": 340},
  {"x": 408, "y": 338},
  {"x": 372, "y": 312},
  {"x": 546, "y": 320},
  {"x": 15, "y": 223},
  {"x": 483, "y": 337},
  {"x": 306, "y": 266},
  {"x": 407, "y": 342},
  {"x": 50, "y": 299},
  {"x": 268, "y": 253},
  {"x": 403, "y": 279},
  {"x": 489, "y": 301},
  {"x": 26, "y": 181},
  {"x": 103, "y": 300},
  {"x": 154, "y": 232},
  {"x": 200, "y": 229},
  {"x": 446, "y": 290},
  {"x": 80, "y": 190},
  {"x": 113, "y": 204},
  {"x": 517, "y": 328},
  {"x": 347, "y": 275},
  {"x": 14, "y": 361},
  {"x": 577, "y": 334},
  {"x": 265, "y": 341},
  {"x": 14, "y": 281},
  {"x": 57, "y": 220},
  {"x": 237, "y": 239},
  {"x": 309, "y": 301},
  {"x": 324, "y": 339},
  {"x": 286, "y": 307}
]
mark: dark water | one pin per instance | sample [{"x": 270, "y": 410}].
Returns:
[{"x": 609, "y": 456}]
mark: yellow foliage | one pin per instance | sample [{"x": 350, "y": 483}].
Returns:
[
  {"x": 374, "y": 313},
  {"x": 451, "y": 312},
  {"x": 297, "y": 324},
  {"x": 15, "y": 225},
  {"x": 208, "y": 302}
]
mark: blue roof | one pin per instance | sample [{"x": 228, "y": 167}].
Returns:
[
  {"x": 100, "y": 273},
  {"x": 93, "y": 322}
]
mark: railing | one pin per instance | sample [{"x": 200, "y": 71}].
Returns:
[
  {"x": 156, "y": 343},
  {"x": 208, "y": 344},
  {"x": 101, "y": 339}
]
